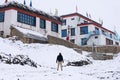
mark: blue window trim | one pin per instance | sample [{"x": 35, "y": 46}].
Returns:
[
  {"x": 42, "y": 24},
  {"x": 64, "y": 33},
  {"x": 72, "y": 31},
  {"x": 54, "y": 27},
  {"x": 2, "y": 14},
  {"x": 110, "y": 35},
  {"x": 84, "y": 30},
  {"x": 103, "y": 32},
  {"x": 83, "y": 41},
  {"x": 26, "y": 19},
  {"x": 64, "y": 22}
]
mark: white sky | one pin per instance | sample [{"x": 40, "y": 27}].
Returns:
[{"x": 107, "y": 10}]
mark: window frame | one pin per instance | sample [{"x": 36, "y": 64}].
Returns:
[
  {"x": 72, "y": 31},
  {"x": 83, "y": 32},
  {"x": 73, "y": 18},
  {"x": 26, "y": 19},
  {"x": 42, "y": 23},
  {"x": 110, "y": 35},
  {"x": 83, "y": 41},
  {"x": 54, "y": 27},
  {"x": 72, "y": 40},
  {"x": 109, "y": 41},
  {"x": 2, "y": 16},
  {"x": 64, "y": 22},
  {"x": 64, "y": 33}
]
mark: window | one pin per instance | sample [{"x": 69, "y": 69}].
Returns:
[
  {"x": 79, "y": 19},
  {"x": 1, "y": 33},
  {"x": 109, "y": 42},
  {"x": 97, "y": 31},
  {"x": 42, "y": 24},
  {"x": 2, "y": 16},
  {"x": 72, "y": 18},
  {"x": 26, "y": 19},
  {"x": 64, "y": 22},
  {"x": 96, "y": 37},
  {"x": 72, "y": 31},
  {"x": 64, "y": 33},
  {"x": 85, "y": 21},
  {"x": 54, "y": 27},
  {"x": 72, "y": 40},
  {"x": 103, "y": 32},
  {"x": 83, "y": 41},
  {"x": 110, "y": 35},
  {"x": 116, "y": 43},
  {"x": 84, "y": 30}
]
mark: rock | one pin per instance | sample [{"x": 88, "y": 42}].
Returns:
[
  {"x": 18, "y": 59},
  {"x": 79, "y": 63}
]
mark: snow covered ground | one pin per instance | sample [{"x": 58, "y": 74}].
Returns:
[{"x": 45, "y": 55}]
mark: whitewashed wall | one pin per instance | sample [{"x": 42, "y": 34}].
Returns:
[
  {"x": 1, "y": 26},
  {"x": 7, "y": 22},
  {"x": 11, "y": 18},
  {"x": 101, "y": 40}
]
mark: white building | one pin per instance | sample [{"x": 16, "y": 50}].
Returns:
[
  {"x": 80, "y": 29},
  {"x": 13, "y": 13},
  {"x": 84, "y": 31}
]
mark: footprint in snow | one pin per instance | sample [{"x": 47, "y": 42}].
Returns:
[
  {"x": 45, "y": 75},
  {"x": 54, "y": 72},
  {"x": 60, "y": 74},
  {"x": 53, "y": 68}
]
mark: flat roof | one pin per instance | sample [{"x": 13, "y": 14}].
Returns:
[
  {"x": 31, "y": 10},
  {"x": 86, "y": 18}
]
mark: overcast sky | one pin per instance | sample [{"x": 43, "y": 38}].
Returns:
[{"x": 106, "y": 10}]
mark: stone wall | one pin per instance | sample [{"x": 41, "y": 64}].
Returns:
[
  {"x": 23, "y": 38},
  {"x": 101, "y": 56},
  {"x": 55, "y": 40},
  {"x": 15, "y": 32},
  {"x": 102, "y": 49}
]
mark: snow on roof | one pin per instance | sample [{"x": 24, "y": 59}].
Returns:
[
  {"x": 30, "y": 33},
  {"x": 30, "y": 9}
]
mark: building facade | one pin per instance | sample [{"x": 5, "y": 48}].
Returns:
[
  {"x": 83, "y": 31},
  {"x": 13, "y": 13},
  {"x": 74, "y": 27}
]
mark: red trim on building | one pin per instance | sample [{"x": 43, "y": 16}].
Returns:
[
  {"x": 85, "y": 24},
  {"x": 30, "y": 13},
  {"x": 80, "y": 15}
]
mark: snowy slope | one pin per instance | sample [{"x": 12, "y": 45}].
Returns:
[{"x": 45, "y": 55}]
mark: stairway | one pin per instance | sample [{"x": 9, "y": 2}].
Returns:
[{"x": 90, "y": 34}]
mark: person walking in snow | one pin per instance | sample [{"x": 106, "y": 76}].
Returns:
[{"x": 59, "y": 61}]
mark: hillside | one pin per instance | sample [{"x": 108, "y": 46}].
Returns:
[{"x": 44, "y": 55}]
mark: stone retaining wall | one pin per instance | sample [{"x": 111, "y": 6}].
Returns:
[
  {"x": 102, "y": 49},
  {"x": 55, "y": 40},
  {"x": 102, "y": 56}
]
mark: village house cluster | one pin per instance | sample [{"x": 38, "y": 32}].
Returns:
[{"x": 73, "y": 27}]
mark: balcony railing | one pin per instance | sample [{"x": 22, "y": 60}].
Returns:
[
  {"x": 90, "y": 34},
  {"x": 96, "y": 32}
]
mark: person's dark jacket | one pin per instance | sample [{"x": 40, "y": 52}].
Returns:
[{"x": 59, "y": 58}]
